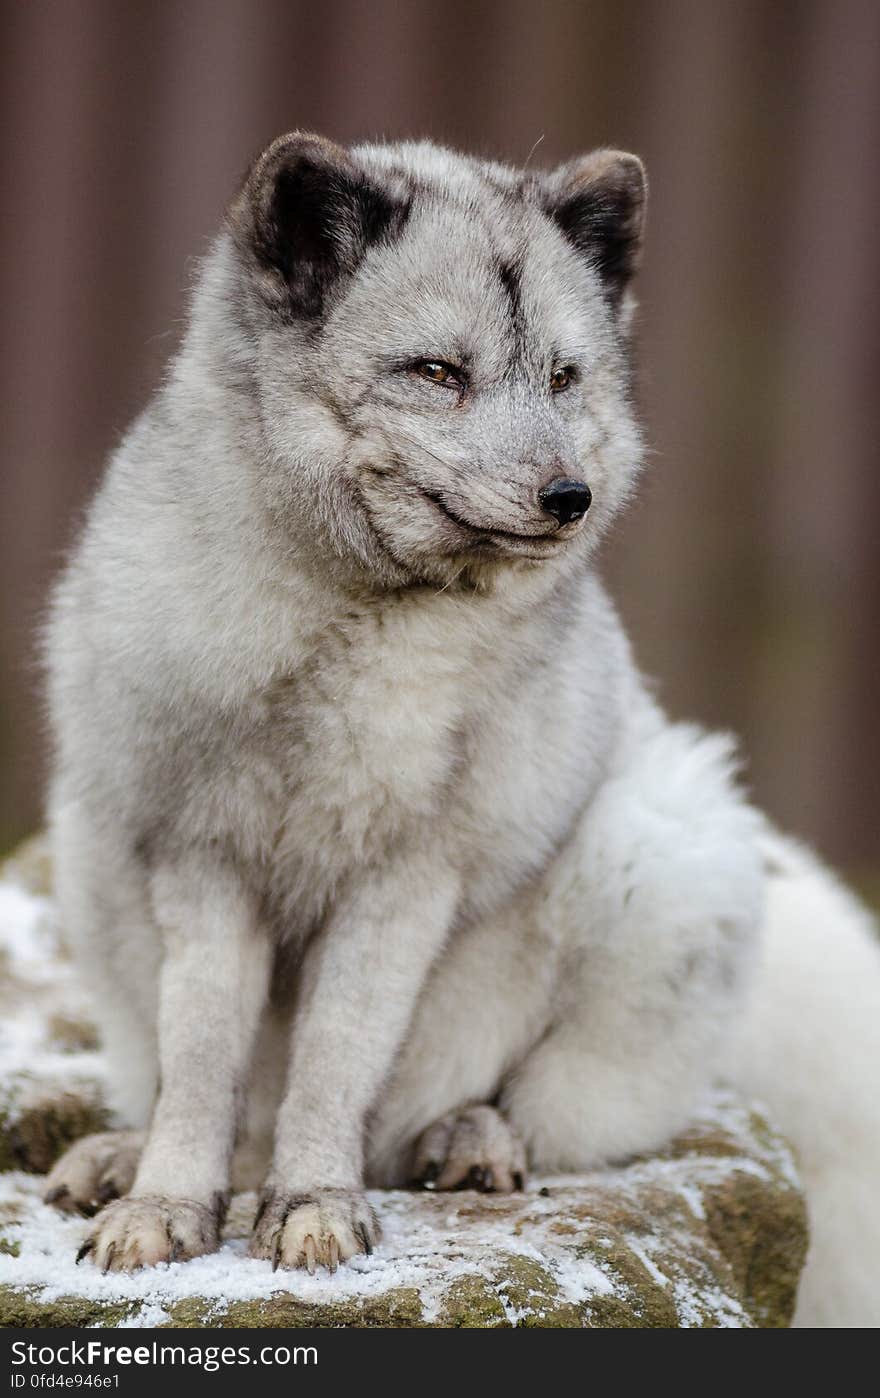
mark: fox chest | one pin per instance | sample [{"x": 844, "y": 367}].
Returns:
[{"x": 365, "y": 749}]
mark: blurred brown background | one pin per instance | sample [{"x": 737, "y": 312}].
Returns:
[{"x": 750, "y": 572}]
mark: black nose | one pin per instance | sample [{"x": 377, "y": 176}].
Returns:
[{"x": 565, "y": 499}]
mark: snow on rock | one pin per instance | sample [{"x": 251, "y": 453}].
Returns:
[
  {"x": 710, "y": 1233},
  {"x": 50, "y": 1067}
]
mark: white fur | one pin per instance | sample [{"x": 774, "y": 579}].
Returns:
[
  {"x": 363, "y": 816},
  {"x": 810, "y": 1048}
]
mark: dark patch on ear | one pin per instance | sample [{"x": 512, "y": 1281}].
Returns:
[
  {"x": 306, "y": 215},
  {"x": 599, "y": 204}
]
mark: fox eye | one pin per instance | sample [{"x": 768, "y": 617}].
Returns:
[
  {"x": 436, "y": 371},
  {"x": 561, "y": 379}
]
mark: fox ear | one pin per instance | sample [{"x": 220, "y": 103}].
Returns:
[
  {"x": 599, "y": 202},
  {"x": 306, "y": 215}
]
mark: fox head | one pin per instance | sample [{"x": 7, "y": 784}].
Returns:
[{"x": 438, "y": 347}]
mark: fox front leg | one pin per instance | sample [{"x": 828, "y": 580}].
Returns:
[
  {"x": 361, "y": 981},
  {"x": 213, "y": 986}
]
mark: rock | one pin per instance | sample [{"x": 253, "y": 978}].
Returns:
[
  {"x": 51, "y": 1068},
  {"x": 710, "y": 1232},
  {"x": 37, "y": 1123}
]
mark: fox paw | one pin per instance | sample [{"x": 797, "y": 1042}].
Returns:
[
  {"x": 95, "y": 1170},
  {"x": 322, "y": 1228},
  {"x": 474, "y": 1148},
  {"x": 133, "y": 1233}
]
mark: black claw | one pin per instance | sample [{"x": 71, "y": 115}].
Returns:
[
  {"x": 276, "y": 1260},
  {"x": 84, "y": 1251},
  {"x": 261, "y": 1209},
  {"x": 111, "y": 1253},
  {"x": 518, "y": 1181},
  {"x": 106, "y": 1192},
  {"x": 361, "y": 1232},
  {"x": 430, "y": 1175},
  {"x": 544, "y": 1192},
  {"x": 178, "y": 1248},
  {"x": 479, "y": 1179},
  {"x": 53, "y": 1196}
]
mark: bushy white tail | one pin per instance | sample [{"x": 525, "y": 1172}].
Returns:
[{"x": 811, "y": 1051}]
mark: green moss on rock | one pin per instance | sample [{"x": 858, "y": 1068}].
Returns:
[
  {"x": 399, "y": 1308},
  {"x": 23, "y": 1310},
  {"x": 648, "y": 1305},
  {"x": 34, "y": 1131},
  {"x": 472, "y": 1303},
  {"x": 763, "y": 1235}
]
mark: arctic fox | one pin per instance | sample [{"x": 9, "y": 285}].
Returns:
[{"x": 380, "y": 858}]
